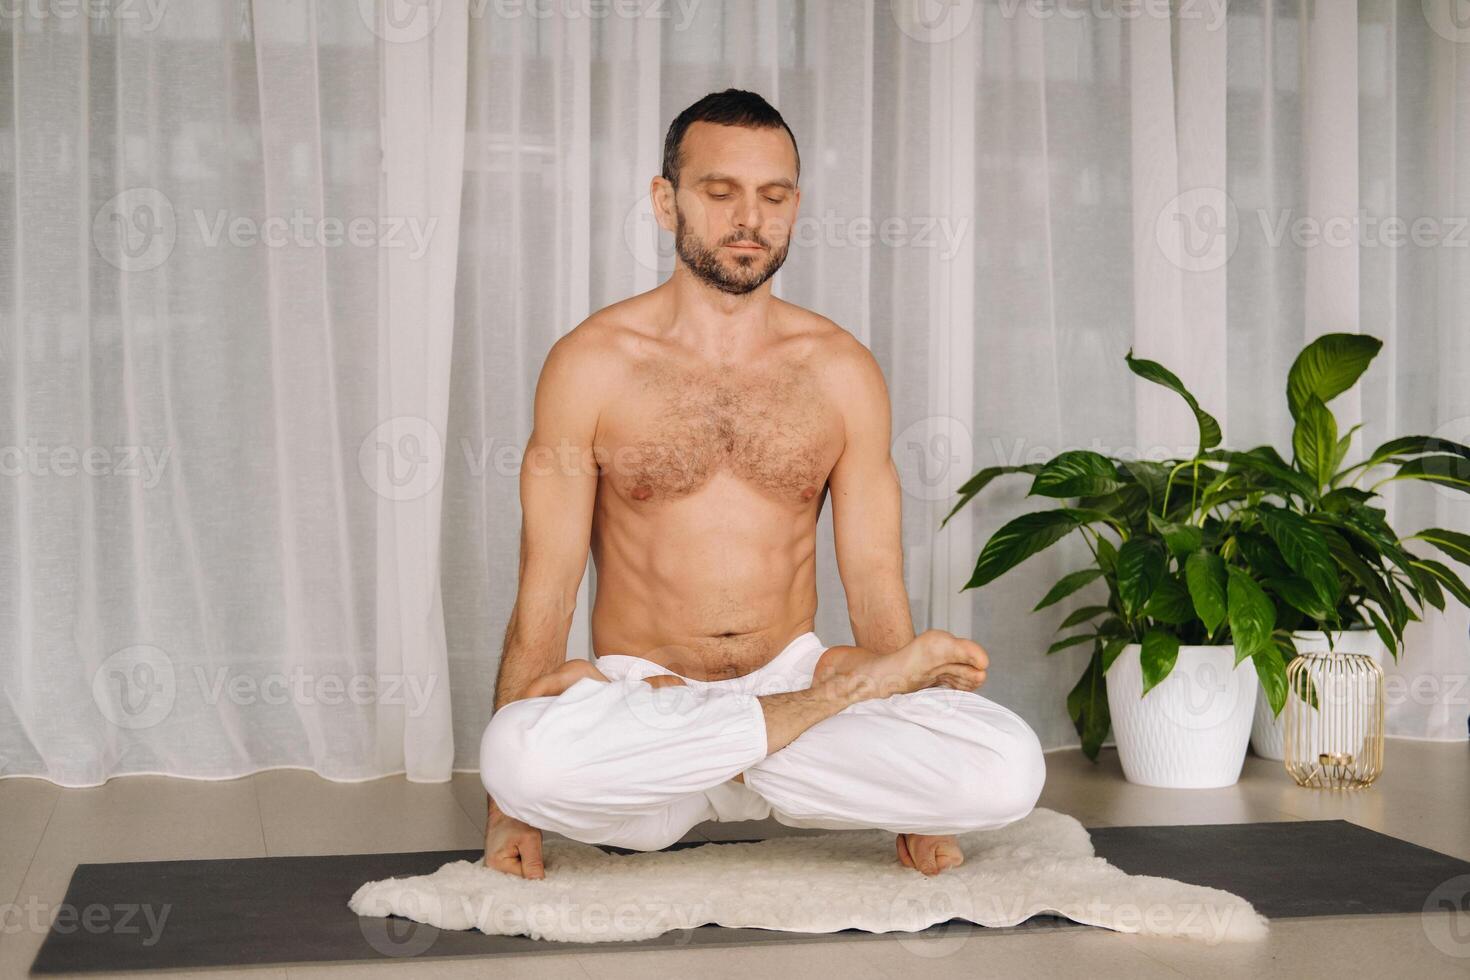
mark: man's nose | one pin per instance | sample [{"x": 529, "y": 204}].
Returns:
[{"x": 748, "y": 214}]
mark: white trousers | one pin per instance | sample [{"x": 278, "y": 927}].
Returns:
[{"x": 623, "y": 763}]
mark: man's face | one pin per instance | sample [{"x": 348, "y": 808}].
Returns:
[{"x": 736, "y": 203}]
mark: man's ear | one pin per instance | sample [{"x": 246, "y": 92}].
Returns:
[{"x": 661, "y": 194}]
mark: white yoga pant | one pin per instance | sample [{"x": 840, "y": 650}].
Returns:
[{"x": 621, "y": 762}]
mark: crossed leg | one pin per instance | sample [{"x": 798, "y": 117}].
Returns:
[{"x": 599, "y": 762}]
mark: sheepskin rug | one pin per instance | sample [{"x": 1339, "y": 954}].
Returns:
[{"x": 820, "y": 883}]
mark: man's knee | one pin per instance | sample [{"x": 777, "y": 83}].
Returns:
[
  {"x": 999, "y": 770},
  {"x": 1005, "y": 775},
  {"x": 519, "y": 779}
]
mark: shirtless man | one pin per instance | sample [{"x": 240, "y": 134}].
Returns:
[{"x": 691, "y": 435}]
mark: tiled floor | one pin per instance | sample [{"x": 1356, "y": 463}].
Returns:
[{"x": 1424, "y": 797}]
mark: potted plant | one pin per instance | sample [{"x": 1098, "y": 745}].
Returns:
[
  {"x": 1182, "y": 612},
  {"x": 1222, "y": 557},
  {"x": 1361, "y": 585}
]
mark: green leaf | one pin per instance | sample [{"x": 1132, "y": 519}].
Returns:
[
  {"x": 1451, "y": 582},
  {"x": 1152, "y": 476},
  {"x": 1449, "y": 471},
  {"x": 1078, "y": 473},
  {"x": 1111, "y": 649},
  {"x": 1339, "y": 501},
  {"x": 1209, "y": 429},
  {"x": 1415, "y": 446},
  {"x": 1262, "y": 554},
  {"x": 1299, "y": 594},
  {"x": 1170, "y": 603},
  {"x": 1427, "y": 586},
  {"x": 1369, "y": 532},
  {"x": 1070, "y": 641},
  {"x": 1066, "y": 585},
  {"x": 1126, "y": 505},
  {"x": 1305, "y": 550},
  {"x": 1182, "y": 539},
  {"x": 1327, "y": 367},
  {"x": 1089, "y": 515},
  {"x": 1081, "y": 615},
  {"x": 1273, "y": 676},
  {"x": 1087, "y": 704},
  {"x": 1205, "y": 574},
  {"x": 1252, "y": 614},
  {"x": 1269, "y": 474},
  {"x": 1286, "y": 651},
  {"x": 980, "y": 480},
  {"x": 1315, "y": 441},
  {"x": 1141, "y": 565},
  {"x": 1343, "y": 445},
  {"x": 1018, "y": 540},
  {"x": 1107, "y": 555},
  {"x": 1160, "y": 650},
  {"x": 1385, "y": 632}
]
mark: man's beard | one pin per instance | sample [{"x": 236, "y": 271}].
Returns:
[{"x": 705, "y": 262}]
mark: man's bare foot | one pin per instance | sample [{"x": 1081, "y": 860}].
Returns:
[
  {"x": 929, "y": 854},
  {"x": 933, "y": 658}
]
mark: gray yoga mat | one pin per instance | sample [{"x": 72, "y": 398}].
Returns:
[{"x": 251, "y": 911}]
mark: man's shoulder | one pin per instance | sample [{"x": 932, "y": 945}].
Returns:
[
  {"x": 610, "y": 335},
  {"x": 836, "y": 352},
  {"x": 595, "y": 346}
]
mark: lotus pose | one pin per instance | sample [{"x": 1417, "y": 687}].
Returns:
[{"x": 690, "y": 436}]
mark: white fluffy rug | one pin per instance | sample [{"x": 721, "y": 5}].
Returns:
[{"x": 818, "y": 883}]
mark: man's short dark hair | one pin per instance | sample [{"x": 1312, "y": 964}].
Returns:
[{"x": 732, "y": 107}]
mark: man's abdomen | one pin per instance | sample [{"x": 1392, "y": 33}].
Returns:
[{"x": 711, "y": 586}]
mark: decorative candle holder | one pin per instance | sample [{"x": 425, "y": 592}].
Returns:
[{"x": 1334, "y": 720}]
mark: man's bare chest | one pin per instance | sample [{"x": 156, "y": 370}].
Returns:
[{"x": 680, "y": 427}]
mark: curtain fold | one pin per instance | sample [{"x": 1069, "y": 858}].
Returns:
[{"x": 277, "y": 279}]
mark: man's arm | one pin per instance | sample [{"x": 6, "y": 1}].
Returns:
[
  {"x": 558, "y": 486},
  {"x": 867, "y": 507}
]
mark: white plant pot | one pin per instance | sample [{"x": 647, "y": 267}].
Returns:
[
  {"x": 1268, "y": 731},
  {"x": 1190, "y": 731}
]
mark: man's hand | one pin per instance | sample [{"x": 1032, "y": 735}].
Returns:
[
  {"x": 554, "y": 683},
  {"x": 931, "y": 659},
  {"x": 929, "y": 855},
  {"x": 512, "y": 846}
]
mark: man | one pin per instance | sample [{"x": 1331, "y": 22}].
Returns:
[{"x": 691, "y": 435}]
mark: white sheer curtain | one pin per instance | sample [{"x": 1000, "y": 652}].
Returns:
[
  {"x": 221, "y": 301},
  {"x": 1000, "y": 198}
]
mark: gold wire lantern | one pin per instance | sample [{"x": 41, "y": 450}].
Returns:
[{"x": 1334, "y": 720}]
